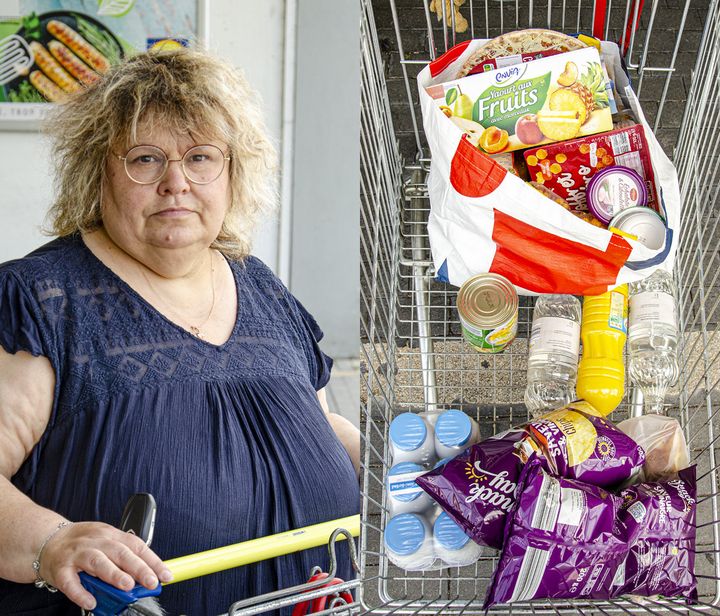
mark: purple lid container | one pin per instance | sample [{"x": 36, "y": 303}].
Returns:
[{"x": 614, "y": 189}]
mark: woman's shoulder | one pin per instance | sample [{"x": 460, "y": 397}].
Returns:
[
  {"x": 45, "y": 262},
  {"x": 258, "y": 273}
]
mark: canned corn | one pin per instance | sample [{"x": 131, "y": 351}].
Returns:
[{"x": 488, "y": 306}]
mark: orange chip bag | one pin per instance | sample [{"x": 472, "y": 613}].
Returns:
[{"x": 567, "y": 166}]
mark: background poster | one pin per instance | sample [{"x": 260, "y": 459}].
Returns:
[{"x": 50, "y": 48}]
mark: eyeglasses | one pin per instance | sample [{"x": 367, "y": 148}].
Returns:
[{"x": 201, "y": 164}]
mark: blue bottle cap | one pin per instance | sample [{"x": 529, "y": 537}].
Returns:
[
  {"x": 404, "y": 534},
  {"x": 408, "y": 489},
  {"x": 448, "y": 534},
  {"x": 453, "y": 428},
  {"x": 408, "y": 431}
]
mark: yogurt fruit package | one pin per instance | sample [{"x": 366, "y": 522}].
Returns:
[
  {"x": 580, "y": 445},
  {"x": 477, "y": 488},
  {"x": 547, "y": 100},
  {"x": 569, "y": 540},
  {"x": 566, "y": 168}
]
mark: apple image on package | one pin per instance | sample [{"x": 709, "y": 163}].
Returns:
[{"x": 527, "y": 129}]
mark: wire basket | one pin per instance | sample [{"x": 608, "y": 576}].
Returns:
[{"x": 414, "y": 357}]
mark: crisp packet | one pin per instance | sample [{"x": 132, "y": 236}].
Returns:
[
  {"x": 477, "y": 488},
  {"x": 570, "y": 540},
  {"x": 660, "y": 520},
  {"x": 579, "y": 445},
  {"x": 562, "y": 541}
]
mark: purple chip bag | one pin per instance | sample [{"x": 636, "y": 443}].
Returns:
[
  {"x": 562, "y": 541},
  {"x": 578, "y": 445},
  {"x": 569, "y": 540},
  {"x": 660, "y": 518},
  {"x": 477, "y": 488}
]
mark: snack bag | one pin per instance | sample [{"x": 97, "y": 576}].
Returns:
[
  {"x": 569, "y": 540},
  {"x": 477, "y": 488},
  {"x": 566, "y": 168},
  {"x": 660, "y": 520},
  {"x": 579, "y": 445},
  {"x": 662, "y": 438},
  {"x": 562, "y": 541}
]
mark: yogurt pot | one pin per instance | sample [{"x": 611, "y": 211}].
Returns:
[
  {"x": 614, "y": 189},
  {"x": 412, "y": 439},
  {"x": 404, "y": 495},
  {"x": 454, "y": 433},
  {"x": 452, "y": 545},
  {"x": 409, "y": 541}
]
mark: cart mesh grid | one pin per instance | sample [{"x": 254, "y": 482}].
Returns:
[{"x": 413, "y": 354}]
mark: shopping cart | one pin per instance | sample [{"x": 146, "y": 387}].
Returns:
[
  {"x": 323, "y": 593},
  {"x": 413, "y": 354}
]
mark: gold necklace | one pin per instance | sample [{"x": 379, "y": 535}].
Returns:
[{"x": 194, "y": 329}]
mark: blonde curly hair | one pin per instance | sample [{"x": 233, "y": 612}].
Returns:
[{"x": 185, "y": 90}]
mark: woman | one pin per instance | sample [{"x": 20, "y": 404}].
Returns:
[{"x": 144, "y": 350}]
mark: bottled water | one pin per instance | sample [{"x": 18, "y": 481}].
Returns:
[
  {"x": 652, "y": 337},
  {"x": 553, "y": 354}
]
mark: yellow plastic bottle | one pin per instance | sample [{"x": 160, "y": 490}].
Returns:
[{"x": 601, "y": 372}]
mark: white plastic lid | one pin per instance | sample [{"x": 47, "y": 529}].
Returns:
[
  {"x": 408, "y": 431},
  {"x": 448, "y": 534},
  {"x": 405, "y": 534},
  {"x": 453, "y": 428},
  {"x": 404, "y": 488}
]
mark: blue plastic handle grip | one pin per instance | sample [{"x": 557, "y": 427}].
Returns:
[{"x": 112, "y": 601}]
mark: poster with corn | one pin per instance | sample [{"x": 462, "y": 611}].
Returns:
[{"x": 50, "y": 49}]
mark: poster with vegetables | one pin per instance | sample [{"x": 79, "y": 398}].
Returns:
[{"x": 52, "y": 48}]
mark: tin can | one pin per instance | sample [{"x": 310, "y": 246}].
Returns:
[
  {"x": 488, "y": 307},
  {"x": 643, "y": 223},
  {"x": 614, "y": 189}
]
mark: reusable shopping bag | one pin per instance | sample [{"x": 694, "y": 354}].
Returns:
[{"x": 485, "y": 219}]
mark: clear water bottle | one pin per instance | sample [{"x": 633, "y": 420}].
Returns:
[
  {"x": 553, "y": 353},
  {"x": 652, "y": 338}
]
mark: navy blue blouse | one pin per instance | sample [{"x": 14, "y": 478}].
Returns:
[{"x": 230, "y": 439}]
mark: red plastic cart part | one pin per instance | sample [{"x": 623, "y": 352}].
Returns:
[{"x": 319, "y": 604}]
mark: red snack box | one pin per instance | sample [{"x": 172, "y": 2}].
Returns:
[{"x": 566, "y": 167}]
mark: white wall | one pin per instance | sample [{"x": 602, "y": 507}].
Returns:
[{"x": 249, "y": 34}]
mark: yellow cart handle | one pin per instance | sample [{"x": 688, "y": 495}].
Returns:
[{"x": 255, "y": 550}]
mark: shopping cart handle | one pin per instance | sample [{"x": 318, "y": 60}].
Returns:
[{"x": 112, "y": 601}]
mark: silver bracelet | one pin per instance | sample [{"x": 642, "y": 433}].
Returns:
[{"x": 39, "y": 581}]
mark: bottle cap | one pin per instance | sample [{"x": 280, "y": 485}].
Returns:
[
  {"x": 453, "y": 428},
  {"x": 408, "y": 431},
  {"x": 448, "y": 534},
  {"x": 401, "y": 481},
  {"x": 405, "y": 534}
]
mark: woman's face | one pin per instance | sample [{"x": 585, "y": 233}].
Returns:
[{"x": 171, "y": 213}]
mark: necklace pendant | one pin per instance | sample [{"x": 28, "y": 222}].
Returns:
[{"x": 195, "y": 331}]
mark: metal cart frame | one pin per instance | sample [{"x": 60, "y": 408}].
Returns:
[{"x": 413, "y": 355}]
